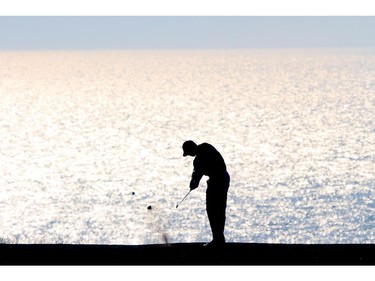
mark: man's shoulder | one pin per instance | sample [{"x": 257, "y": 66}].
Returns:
[{"x": 206, "y": 148}]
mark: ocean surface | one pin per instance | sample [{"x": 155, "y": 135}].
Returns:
[{"x": 90, "y": 139}]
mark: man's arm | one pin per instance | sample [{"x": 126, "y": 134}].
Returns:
[{"x": 195, "y": 178}]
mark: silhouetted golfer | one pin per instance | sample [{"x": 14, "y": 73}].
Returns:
[{"x": 209, "y": 162}]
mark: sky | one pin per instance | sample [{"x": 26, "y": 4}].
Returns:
[{"x": 184, "y": 32}]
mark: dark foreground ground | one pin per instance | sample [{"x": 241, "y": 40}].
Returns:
[{"x": 187, "y": 254}]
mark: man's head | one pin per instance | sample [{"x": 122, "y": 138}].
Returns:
[{"x": 190, "y": 148}]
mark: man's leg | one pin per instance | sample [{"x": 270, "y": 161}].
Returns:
[{"x": 216, "y": 200}]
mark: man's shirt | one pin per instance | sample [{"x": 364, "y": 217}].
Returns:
[{"x": 208, "y": 162}]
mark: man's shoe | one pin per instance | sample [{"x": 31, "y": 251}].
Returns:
[{"x": 215, "y": 244}]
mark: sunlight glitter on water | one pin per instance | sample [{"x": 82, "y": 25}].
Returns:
[{"x": 82, "y": 131}]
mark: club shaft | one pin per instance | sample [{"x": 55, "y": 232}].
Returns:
[{"x": 183, "y": 198}]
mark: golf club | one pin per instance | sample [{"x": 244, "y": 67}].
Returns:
[{"x": 183, "y": 199}]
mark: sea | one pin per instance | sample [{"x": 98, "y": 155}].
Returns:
[{"x": 91, "y": 145}]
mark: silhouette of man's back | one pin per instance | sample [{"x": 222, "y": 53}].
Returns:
[{"x": 209, "y": 161}]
